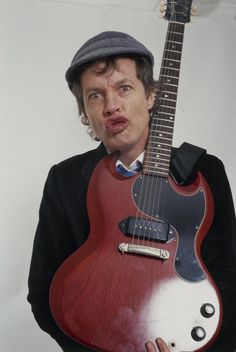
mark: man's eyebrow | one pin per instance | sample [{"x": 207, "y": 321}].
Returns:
[
  {"x": 124, "y": 81},
  {"x": 92, "y": 89},
  {"x": 116, "y": 84}
]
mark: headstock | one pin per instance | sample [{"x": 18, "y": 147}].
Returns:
[{"x": 177, "y": 10}]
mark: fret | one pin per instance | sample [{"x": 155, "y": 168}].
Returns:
[
  {"x": 162, "y": 136},
  {"x": 162, "y": 161},
  {"x": 174, "y": 25},
  {"x": 162, "y": 158},
  {"x": 153, "y": 171},
  {"x": 168, "y": 51},
  {"x": 170, "y": 54},
  {"x": 169, "y": 93},
  {"x": 153, "y": 160},
  {"x": 167, "y": 98},
  {"x": 163, "y": 116},
  {"x": 167, "y": 102},
  {"x": 170, "y": 72},
  {"x": 170, "y": 32},
  {"x": 166, "y": 79},
  {"x": 162, "y": 148},
  {"x": 166, "y": 115},
  {"x": 163, "y": 124},
  {"x": 158, "y": 163},
  {"x": 170, "y": 68},
  {"x": 163, "y": 168},
  {"x": 164, "y": 141},
  {"x": 175, "y": 64},
  {"x": 160, "y": 167},
  {"x": 161, "y": 127},
  {"x": 167, "y": 110},
  {"x": 158, "y": 151},
  {"x": 163, "y": 102},
  {"x": 159, "y": 156},
  {"x": 162, "y": 130},
  {"x": 168, "y": 88},
  {"x": 154, "y": 156},
  {"x": 175, "y": 37},
  {"x": 170, "y": 45},
  {"x": 174, "y": 60}
]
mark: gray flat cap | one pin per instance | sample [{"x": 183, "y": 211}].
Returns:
[{"x": 106, "y": 44}]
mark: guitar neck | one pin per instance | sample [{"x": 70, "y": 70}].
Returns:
[{"x": 158, "y": 152}]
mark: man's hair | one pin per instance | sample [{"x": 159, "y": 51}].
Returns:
[{"x": 144, "y": 73}]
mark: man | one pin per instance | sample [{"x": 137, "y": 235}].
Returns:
[{"x": 112, "y": 78}]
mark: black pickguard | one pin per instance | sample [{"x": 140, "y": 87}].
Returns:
[{"x": 155, "y": 197}]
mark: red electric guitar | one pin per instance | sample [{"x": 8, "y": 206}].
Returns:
[{"x": 140, "y": 274}]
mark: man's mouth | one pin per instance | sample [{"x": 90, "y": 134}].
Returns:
[{"x": 116, "y": 124}]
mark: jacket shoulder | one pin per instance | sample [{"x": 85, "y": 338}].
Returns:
[{"x": 79, "y": 165}]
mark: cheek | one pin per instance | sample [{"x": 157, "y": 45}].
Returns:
[
  {"x": 142, "y": 116},
  {"x": 96, "y": 126},
  {"x": 92, "y": 117}
]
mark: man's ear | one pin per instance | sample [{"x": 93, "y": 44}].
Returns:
[{"x": 151, "y": 99}]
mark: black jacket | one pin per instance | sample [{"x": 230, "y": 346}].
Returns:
[{"x": 64, "y": 226}]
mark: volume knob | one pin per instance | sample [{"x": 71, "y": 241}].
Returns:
[
  {"x": 198, "y": 333},
  {"x": 207, "y": 310}
]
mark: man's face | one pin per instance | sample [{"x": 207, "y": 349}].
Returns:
[{"x": 117, "y": 105}]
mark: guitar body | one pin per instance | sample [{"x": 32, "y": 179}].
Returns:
[{"x": 116, "y": 301}]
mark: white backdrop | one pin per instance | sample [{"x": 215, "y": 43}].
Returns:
[{"x": 39, "y": 124}]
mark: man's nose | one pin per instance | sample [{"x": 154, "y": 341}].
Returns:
[{"x": 112, "y": 104}]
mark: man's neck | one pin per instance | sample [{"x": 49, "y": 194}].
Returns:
[{"x": 128, "y": 158}]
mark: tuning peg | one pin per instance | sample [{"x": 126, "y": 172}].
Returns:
[
  {"x": 162, "y": 6},
  {"x": 194, "y": 10}
]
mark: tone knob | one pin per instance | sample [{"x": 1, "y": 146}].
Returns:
[
  {"x": 198, "y": 333},
  {"x": 207, "y": 310}
]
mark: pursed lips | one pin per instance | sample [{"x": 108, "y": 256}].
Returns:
[{"x": 116, "y": 124}]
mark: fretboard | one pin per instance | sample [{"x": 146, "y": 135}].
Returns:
[{"x": 158, "y": 151}]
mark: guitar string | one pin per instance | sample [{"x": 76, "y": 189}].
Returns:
[
  {"x": 175, "y": 32},
  {"x": 158, "y": 186},
  {"x": 145, "y": 194},
  {"x": 149, "y": 202},
  {"x": 159, "y": 194}
]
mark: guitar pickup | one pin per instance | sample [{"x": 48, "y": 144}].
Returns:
[{"x": 145, "y": 229}]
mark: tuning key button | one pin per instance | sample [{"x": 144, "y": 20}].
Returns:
[
  {"x": 198, "y": 333},
  {"x": 207, "y": 310}
]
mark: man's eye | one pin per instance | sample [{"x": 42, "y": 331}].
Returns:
[
  {"x": 125, "y": 88},
  {"x": 95, "y": 96}
]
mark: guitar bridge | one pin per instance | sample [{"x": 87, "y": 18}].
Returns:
[{"x": 144, "y": 250}]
